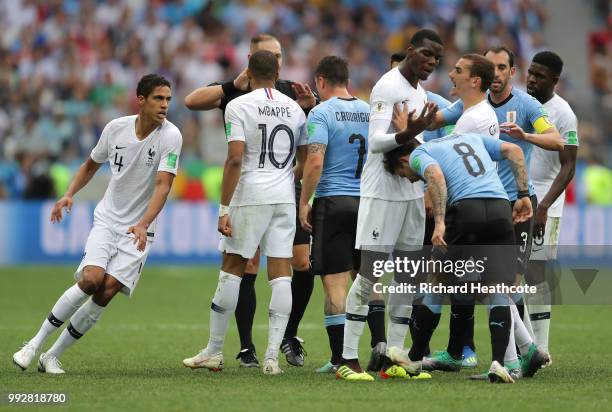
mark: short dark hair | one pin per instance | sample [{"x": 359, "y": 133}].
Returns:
[
  {"x": 420, "y": 36},
  {"x": 263, "y": 65},
  {"x": 398, "y": 57},
  {"x": 551, "y": 60},
  {"x": 262, "y": 37},
  {"x": 391, "y": 159},
  {"x": 481, "y": 67},
  {"x": 149, "y": 82},
  {"x": 499, "y": 49},
  {"x": 334, "y": 69}
]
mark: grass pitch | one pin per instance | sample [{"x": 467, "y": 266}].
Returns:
[{"x": 132, "y": 358}]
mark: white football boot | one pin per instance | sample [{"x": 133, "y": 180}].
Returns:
[
  {"x": 270, "y": 367},
  {"x": 213, "y": 363},
  {"x": 24, "y": 356},
  {"x": 499, "y": 374},
  {"x": 400, "y": 357},
  {"x": 47, "y": 363}
]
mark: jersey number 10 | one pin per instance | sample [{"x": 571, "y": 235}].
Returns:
[{"x": 267, "y": 145}]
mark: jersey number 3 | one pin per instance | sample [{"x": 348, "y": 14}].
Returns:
[
  {"x": 267, "y": 145},
  {"x": 361, "y": 151},
  {"x": 466, "y": 151}
]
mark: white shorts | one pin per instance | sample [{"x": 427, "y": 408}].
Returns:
[
  {"x": 116, "y": 254},
  {"x": 546, "y": 248},
  {"x": 385, "y": 226},
  {"x": 271, "y": 227}
]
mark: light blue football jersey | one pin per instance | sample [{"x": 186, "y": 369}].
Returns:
[
  {"x": 519, "y": 108},
  {"x": 467, "y": 163},
  {"x": 342, "y": 125}
]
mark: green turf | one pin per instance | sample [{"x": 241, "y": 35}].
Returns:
[{"x": 132, "y": 358}]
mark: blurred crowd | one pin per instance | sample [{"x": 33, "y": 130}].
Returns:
[{"x": 67, "y": 67}]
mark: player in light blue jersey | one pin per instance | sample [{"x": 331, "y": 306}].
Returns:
[
  {"x": 337, "y": 148},
  {"x": 442, "y": 131},
  {"x": 471, "y": 207},
  {"x": 523, "y": 121}
]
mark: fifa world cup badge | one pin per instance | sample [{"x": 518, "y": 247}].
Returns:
[{"x": 511, "y": 117}]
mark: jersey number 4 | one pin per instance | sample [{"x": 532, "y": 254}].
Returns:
[
  {"x": 118, "y": 162},
  {"x": 267, "y": 145},
  {"x": 466, "y": 151},
  {"x": 361, "y": 151}
]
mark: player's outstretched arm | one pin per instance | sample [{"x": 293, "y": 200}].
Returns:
[
  {"x": 436, "y": 185},
  {"x": 522, "y": 207},
  {"x": 209, "y": 97},
  {"x": 567, "y": 158},
  {"x": 312, "y": 174},
  {"x": 549, "y": 139},
  {"x": 87, "y": 170},
  {"x": 414, "y": 125},
  {"x": 231, "y": 176},
  {"x": 163, "y": 184}
]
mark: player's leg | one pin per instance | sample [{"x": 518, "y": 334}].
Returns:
[
  {"x": 541, "y": 264},
  {"x": 99, "y": 249},
  {"x": 500, "y": 327},
  {"x": 276, "y": 245},
  {"x": 335, "y": 287},
  {"x": 376, "y": 324},
  {"x": 245, "y": 313},
  {"x": 81, "y": 322}
]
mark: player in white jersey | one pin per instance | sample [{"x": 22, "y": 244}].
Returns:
[
  {"x": 143, "y": 152},
  {"x": 391, "y": 211},
  {"x": 551, "y": 172},
  {"x": 263, "y": 128}
]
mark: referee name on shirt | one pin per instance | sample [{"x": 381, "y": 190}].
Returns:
[
  {"x": 352, "y": 117},
  {"x": 279, "y": 111}
]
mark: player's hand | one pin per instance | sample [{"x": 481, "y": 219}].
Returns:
[
  {"x": 513, "y": 130},
  {"x": 437, "y": 239},
  {"x": 224, "y": 226},
  {"x": 140, "y": 236},
  {"x": 522, "y": 210},
  {"x": 242, "y": 81},
  {"x": 417, "y": 125},
  {"x": 56, "y": 212},
  {"x": 304, "y": 95},
  {"x": 305, "y": 214},
  {"x": 401, "y": 116},
  {"x": 539, "y": 225}
]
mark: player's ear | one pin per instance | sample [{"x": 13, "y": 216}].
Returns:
[
  {"x": 512, "y": 71},
  {"x": 141, "y": 100}
]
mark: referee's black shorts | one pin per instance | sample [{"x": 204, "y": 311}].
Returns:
[
  {"x": 481, "y": 229},
  {"x": 301, "y": 237},
  {"x": 523, "y": 234},
  {"x": 334, "y": 228}
]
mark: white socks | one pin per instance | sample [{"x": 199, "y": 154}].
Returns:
[
  {"x": 65, "y": 306},
  {"x": 83, "y": 320},
  {"x": 521, "y": 334},
  {"x": 400, "y": 310},
  {"x": 222, "y": 308},
  {"x": 356, "y": 315},
  {"x": 539, "y": 309},
  {"x": 278, "y": 314}
]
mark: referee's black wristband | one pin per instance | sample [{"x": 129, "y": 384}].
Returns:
[
  {"x": 229, "y": 88},
  {"x": 522, "y": 193}
]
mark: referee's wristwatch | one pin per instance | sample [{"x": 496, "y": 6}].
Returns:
[{"x": 223, "y": 210}]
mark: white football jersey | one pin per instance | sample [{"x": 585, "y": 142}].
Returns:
[
  {"x": 376, "y": 182},
  {"x": 479, "y": 119},
  {"x": 134, "y": 164},
  {"x": 545, "y": 164},
  {"x": 272, "y": 126}
]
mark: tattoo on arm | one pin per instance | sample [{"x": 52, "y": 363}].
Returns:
[
  {"x": 317, "y": 148},
  {"x": 437, "y": 189},
  {"x": 517, "y": 165}
]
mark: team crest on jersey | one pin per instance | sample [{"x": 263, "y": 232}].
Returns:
[
  {"x": 493, "y": 129},
  {"x": 379, "y": 107},
  {"x": 511, "y": 116},
  {"x": 151, "y": 154}
]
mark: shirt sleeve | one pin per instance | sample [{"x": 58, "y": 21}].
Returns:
[
  {"x": 234, "y": 129},
  {"x": 317, "y": 128},
  {"x": 569, "y": 129},
  {"x": 302, "y": 139},
  {"x": 99, "y": 154},
  {"x": 381, "y": 112},
  {"x": 493, "y": 147},
  {"x": 420, "y": 160},
  {"x": 452, "y": 113},
  {"x": 171, "y": 151},
  {"x": 537, "y": 116}
]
